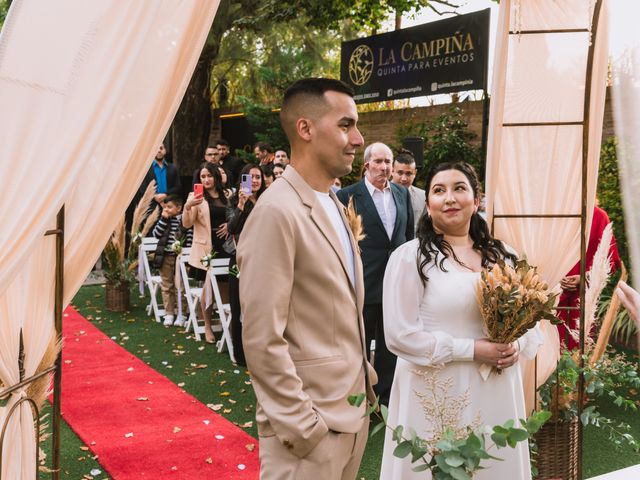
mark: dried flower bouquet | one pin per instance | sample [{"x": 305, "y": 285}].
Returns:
[{"x": 512, "y": 300}]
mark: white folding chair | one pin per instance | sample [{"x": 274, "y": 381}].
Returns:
[
  {"x": 152, "y": 282},
  {"x": 192, "y": 294},
  {"x": 221, "y": 267}
]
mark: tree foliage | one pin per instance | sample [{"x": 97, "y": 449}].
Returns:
[
  {"x": 329, "y": 14},
  {"x": 446, "y": 138},
  {"x": 287, "y": 40},
  {"x": 609, "y": 194},
  {"x": 4, "y": 8},
  {"x": 260, "y": 65}
]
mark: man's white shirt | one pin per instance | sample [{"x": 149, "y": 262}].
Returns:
[
  {"x": 386, "y": 207},
  {"x": 341, "y": 229}
]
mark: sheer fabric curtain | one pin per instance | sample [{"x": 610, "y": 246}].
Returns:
[
  {"x": 625, "y": 55},
  {"x": 537, "y": 169},
  {"x": 87, "y": 92}
]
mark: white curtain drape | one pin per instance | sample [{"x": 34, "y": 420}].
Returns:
[
  {"x": 625, "y": 56},
  {"x": 87, "y": 92},
  {"x": 540, "y": 78}
]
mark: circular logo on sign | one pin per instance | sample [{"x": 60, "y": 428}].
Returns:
[{"x": 361, "y": 65}]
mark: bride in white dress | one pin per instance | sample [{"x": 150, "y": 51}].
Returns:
[{"x": 433, "y": 324}]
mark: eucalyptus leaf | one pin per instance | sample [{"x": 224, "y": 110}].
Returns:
[{"x": 402, "y": 449}]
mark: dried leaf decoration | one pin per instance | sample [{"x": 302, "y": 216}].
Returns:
[{"x": 355, "y": 224}]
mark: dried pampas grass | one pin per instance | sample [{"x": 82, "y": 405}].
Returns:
[
  {"x": 40, "y": 389},
  {"x": 150, "y": 222},
  {"x": 597, "y": 279},
  {"x": 142, "y": 207}
]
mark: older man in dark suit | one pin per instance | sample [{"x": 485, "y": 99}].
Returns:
[{"x": 387, "y": 217}]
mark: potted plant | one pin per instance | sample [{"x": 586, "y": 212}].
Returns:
[
  {"x": 119, "y": 264},
  {"x": 612, "y": 377},
  {"x": 607, "y": 374}
]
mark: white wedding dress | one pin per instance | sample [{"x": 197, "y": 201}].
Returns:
[{"x": 437, "y": 384}]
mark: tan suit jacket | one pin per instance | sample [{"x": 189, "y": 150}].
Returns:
[
  {"x": 198, "y": 217},
  {"x": 302, "y": 318},
  {"x": 418, "y": 203}
]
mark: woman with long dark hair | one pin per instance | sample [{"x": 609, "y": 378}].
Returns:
[
  {"x": 433, "y": 324},
  {"x": 237, "y": 215},
  {"x": 207, "y": 215}
]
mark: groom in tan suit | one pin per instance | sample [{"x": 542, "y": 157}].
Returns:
[{"x": 304, "y": 341}]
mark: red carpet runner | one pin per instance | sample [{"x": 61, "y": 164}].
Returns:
[{"x": 101, "y": 385}]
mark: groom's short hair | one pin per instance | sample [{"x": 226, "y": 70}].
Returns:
[{"x": 305, "y": 98}]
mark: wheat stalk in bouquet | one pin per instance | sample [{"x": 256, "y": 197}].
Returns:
[
  {"x": 512, "y": 300},
  {"x": 355, "y": 223}
]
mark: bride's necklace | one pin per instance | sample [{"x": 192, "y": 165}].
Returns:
[{"x": 462, "y": 253}]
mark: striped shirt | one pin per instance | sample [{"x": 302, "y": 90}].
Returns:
[{"x": 174, "y": 225}]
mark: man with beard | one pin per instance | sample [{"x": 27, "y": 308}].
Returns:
[{"x": 166, "y": 176}]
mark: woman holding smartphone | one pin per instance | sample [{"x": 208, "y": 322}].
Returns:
[
  {"x": 250, "y": 188},
  {"x": 205, "y": 212}
]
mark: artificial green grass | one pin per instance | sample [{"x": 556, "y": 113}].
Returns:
[
  {"x": 215, "y": 381},
  {"x": 76, "y": 461}
]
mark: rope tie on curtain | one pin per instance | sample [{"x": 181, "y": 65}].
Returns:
[{"x": 21, "y": 393}]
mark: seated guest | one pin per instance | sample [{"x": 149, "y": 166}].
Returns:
[{"x": 168, "y": 230}]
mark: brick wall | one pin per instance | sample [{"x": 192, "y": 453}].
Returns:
[{"x": 383, "y": 126}]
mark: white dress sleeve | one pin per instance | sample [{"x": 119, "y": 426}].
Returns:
[
  {"x": 530, "y": 341},
  {"x": 405, "y": 336}
]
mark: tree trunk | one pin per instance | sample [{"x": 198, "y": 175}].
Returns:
[{"x": 189, "y": 132}]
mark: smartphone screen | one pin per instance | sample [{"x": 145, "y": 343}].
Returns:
[
  {"x": 245, "y": 183},
  {"x": 198, "y": 190}
]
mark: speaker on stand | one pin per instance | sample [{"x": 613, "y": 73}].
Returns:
[{"x": 416, "y": 146}]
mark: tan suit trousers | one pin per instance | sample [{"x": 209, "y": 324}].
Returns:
[{"x": 336, "y": 457}]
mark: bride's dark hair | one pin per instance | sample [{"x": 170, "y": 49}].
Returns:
[{"x": 432, "y": 243}]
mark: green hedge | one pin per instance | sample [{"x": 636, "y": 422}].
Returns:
[{"x": 609, "y": 195}]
